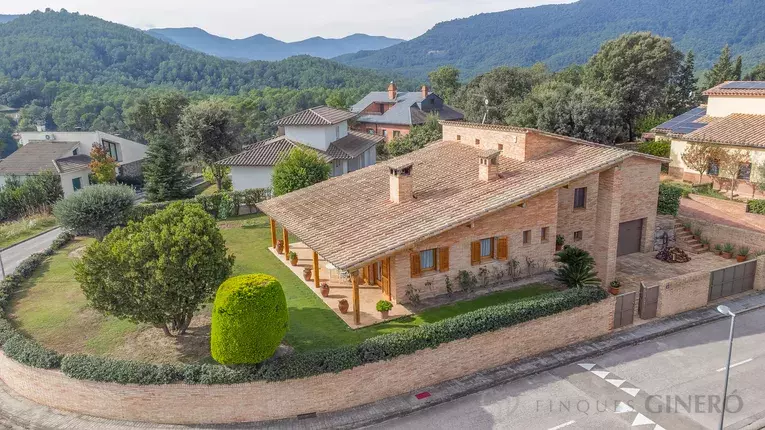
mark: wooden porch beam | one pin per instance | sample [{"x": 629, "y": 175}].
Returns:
[
  {"x": 286, "y": 239},
  {"x": 356, "y": 303},
  {"x": 316, "y": 269},
  {"x": 273, "y": 232}
]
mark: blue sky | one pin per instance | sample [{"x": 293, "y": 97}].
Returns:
[{"x": 288, "y": 20}]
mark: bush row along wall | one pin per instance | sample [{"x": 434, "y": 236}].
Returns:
[
  {"x": 256, "y": 401},
  {"x": 719, "y": 233},
  {"x": 220, "y": 205}
]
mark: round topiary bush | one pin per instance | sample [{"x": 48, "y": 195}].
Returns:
[{"x": 249, "y": 319}]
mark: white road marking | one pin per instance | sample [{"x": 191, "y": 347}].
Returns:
[
  {"x": 737, "y": 364},
  {"x": 658, "y": 427},
  {"x": 587, "y": 366},
  {"x": 562, "y": 425},
  {"x": 616, "y": 382},
  {"x": 600, "y": 373},
  {"x": 623, "y": 408},
  {"x": 631, "y": 391},
  {"x": 641, "y": 420}
]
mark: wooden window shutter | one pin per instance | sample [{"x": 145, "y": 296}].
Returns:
[
  {"x": 502, "y": 248},
  {"x": 475, "y": 253},
  {"x": 443, "y": 259},
  {"x": 414, "y": 259}
]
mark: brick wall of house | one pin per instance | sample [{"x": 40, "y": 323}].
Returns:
[
  {"x": 538, "y": 145},
  {"x": 539, "y": 212},
  {"x": 513, "y": 143},
  {"x": 258, "y": 401},
  {"x": 640, "y": 191},
  {"x": 607, "y": 224},
  {"x": 571, "y": 220},
  {"x": 378, "y": 129},
  {"x": 683, "y": 293}
]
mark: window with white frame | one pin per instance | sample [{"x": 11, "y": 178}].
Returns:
[{"x": 487, "y": 247}]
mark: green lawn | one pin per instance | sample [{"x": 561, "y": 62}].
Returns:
[
  {"x": 16, "y": 231},
  {"x": 52, "y": 309}
]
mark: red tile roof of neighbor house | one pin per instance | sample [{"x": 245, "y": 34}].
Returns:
[
  {"x": 735, "y": 129},
  {"x": 737, "y": 88},
  {"x": 320, "y": 115},
  {"x": 350, "y": 221}
]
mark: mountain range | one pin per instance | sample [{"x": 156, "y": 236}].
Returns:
[
  {"x": 262, "y": 47},
  {"x": 565, "y": 34},
  {"x": 7, "y": 18}
]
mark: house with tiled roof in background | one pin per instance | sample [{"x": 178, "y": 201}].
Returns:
[
  {"x": 67, "y": 155},
  {"x": 482, "y": 197},
  {"x": 732, "y": 118},
  {"x": 393, "y": 113},
  {"x": 322, "y": 129}
]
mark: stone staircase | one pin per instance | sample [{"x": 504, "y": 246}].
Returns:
[{"x": 685, "y": 240}]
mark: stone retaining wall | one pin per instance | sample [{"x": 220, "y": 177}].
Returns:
[
  {"x": 718, "y": 233},
  {"x": 258, "y": 401}
]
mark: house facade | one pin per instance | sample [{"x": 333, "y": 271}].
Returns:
[
  {"x": 67, "y": 155},
  {"x": 483, "y": 197},
  {"x": 733, "y": 119},
  {"x": 393, "y": 113},
  {"x": 321, "y": 129}
]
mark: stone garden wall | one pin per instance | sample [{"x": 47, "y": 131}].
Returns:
[{"x": 664, "y": 224}]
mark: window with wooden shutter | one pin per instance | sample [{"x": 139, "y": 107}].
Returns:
[
  {"x": 414, "y": 259},
  {"x": 475, "y": 253},
  {"x": 502, "y": 248},
  {"x": 443, "y": 259}
]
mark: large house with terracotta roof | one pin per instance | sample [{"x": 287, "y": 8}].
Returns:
[
  {"x": 322, "y": 129},
  {"x": 393, "y": 113},
  {"x": 481, "y": 197},
  {"x": 733, "y": 118}
]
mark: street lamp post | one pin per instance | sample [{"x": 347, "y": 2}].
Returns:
[{"x": 727, "y": 312}]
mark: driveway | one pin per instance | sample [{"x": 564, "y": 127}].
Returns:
[
  {"x": 14, "y": 255},
  {"x": 633, "y": 268}
]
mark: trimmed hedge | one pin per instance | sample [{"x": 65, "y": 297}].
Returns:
[
  {"x": 219, "y": 205},
  {"x": 659, "y": 148},
  {"x": 756, "y": 207},
  {"x": 669, "y": 199},
  {"x": 103, "y": 369},
  {"x": 249, "y": 319},
  {"x": 31, "y": 353}
]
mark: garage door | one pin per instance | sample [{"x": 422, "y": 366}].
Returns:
[{"x": 630, "y": 235}]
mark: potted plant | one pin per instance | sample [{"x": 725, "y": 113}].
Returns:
[
  {"x": 279, "y": 246},
  {"x": 384, "y": 307},
  {"x": 325, "y": 289},
  {"x": 687, "y": 226},
  {"x": 718, "y": 249},
  {"x": 727, "y": 250},
  {"x": 293, "y": 258},
  {"x": 559, "y": 241},
  {"x": 697, "y": 233},
  {"x": 307, "y": 271},
  {"x": 743, "y": 254},
  {"x": 614, "y": 287},
  {"x": 705, "y": 243},
  {"x": 343, "y": 306}
]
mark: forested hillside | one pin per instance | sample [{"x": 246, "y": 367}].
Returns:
[
  {"x": 560, "y": 35},
  {"x": 6, "y": 18},
  {"x": 68, "y": 47}
]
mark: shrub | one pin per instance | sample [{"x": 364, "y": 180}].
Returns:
[
  {"x": 37, "y": 194},
  {"x": 29, "y": 352},
  {"x": 211, "y": 176},
  {"x": 103, "y": 369},
  {"x": 6, "y": 331},
  {"x": 669, "y": 199},
  {"x": 756, "y": 206},
  {"x": 158, "y": 271},
  {"x": 299, "y": 169},
  {"x": 311, "y": 363},
  {"x": 384, "y": 305},
  {"x": 659, "y": 148},
  {"x": 95, "y": 210},
  {"x": 576, "y": 268},
  {"x": 249, "y": 319}
]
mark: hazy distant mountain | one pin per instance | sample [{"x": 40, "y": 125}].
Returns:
[
  {"x": 6, "y": 18},
  {"x": 564, "y": 34},
  {"x": 262, "y": 47}
]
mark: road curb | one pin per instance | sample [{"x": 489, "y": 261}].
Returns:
[{"x": 29, "y": 238}]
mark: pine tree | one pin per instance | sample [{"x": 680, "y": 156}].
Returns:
[
  {"x": 724, "y": 69},
  {"x": 163, "y": 169},
  {"x": 737, "y": 69},
  {"x": 682, "y": 93}
]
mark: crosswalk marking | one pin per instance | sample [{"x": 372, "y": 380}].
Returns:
[
  {"x": 587, "y": 366},
  {"x": 616, "y": 382},
  {"x": 631, "y": 391},
  {"x": 641, "y": 420},
  {"x": 623, "y": 408},
  {"x": 600, "y": 373}
]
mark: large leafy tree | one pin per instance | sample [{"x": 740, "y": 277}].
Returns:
[
  {"x": 159, "y": 112},
  {"x": 634, "y": 70},
  {"x": 299, "y": 169},
  {"x": 209, "y": 133},
  {"x": 158, "y": 271},
  {"x": 757, "y": 74},
  {"x": 163, "y": 170},
  {"x": 445, "y": 81},
  {"x": 417, "y": 138},
  {"x": 725, "y": 69}
]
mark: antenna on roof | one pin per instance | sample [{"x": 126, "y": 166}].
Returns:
[{"x": 485, "y": 102}]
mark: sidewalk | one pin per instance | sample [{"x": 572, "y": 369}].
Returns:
[{"x": 16, "y": 412}]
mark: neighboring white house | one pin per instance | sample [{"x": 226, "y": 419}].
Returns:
[
  {"x": 66, "y": 154},
  {"x": 734, "y": 118},
  {"x": 323, "y": 129}
]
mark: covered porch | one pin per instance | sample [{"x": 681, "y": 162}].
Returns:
[{"x": 361, "y": 288}]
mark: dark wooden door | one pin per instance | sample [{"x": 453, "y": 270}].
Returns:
[{"x": 630, "y": 236}]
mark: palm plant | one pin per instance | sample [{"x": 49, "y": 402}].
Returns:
[{"x": 577, "y": 275}]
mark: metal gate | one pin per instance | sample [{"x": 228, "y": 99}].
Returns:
[
  {"x": 649, "y": 301},
  {"x": 625, "y": 309},
  {"x": 732, "y": 280}
]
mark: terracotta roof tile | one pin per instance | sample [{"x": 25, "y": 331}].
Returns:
[
  {"x": 320, "y": 115},
  {"x": 736, "y": 129},
  {"x": 350, "y": 221},
  {"x": 737, "y": 88},
  {"x": 72, "y": 164},
  {"x": 35, "y": 157}
]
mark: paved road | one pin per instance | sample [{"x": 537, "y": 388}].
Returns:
[
  {"x": 668, "y": 383},
  {"x": 16, "y": 254}
]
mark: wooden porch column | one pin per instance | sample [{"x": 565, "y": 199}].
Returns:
[
  {"x": 273, "y": 232},
  {"x": 356, "y": 304},
  {"x": 286, "y": 239},
  {"x": 316, "y": 269}
]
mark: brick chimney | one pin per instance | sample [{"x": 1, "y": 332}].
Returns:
[
  {"x": 401, "y": 186},
  {"x": 425, "y": 91},
  {"x": 392, "y": 91},
  {"x": 488, "y": 165}
]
